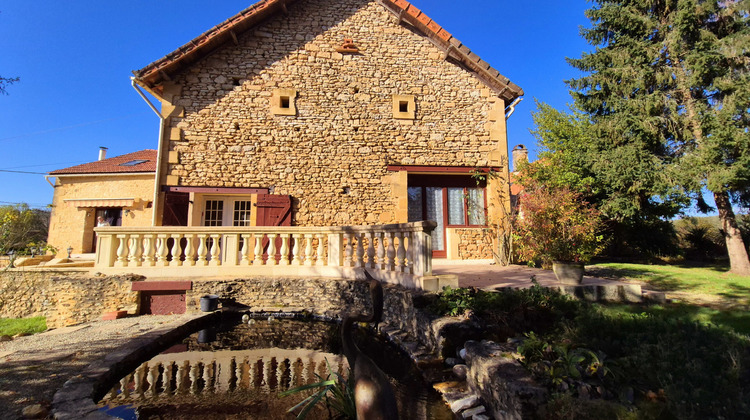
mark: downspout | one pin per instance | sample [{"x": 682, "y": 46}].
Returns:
[
  {"x": 512, "y": 107},
  {"x": 154, "y": 209}
]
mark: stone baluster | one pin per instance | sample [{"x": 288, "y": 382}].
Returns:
[
  {"x": 209, "y": 376},
  {"x": 113, "y": 392},
  {"x": 280, "y": 368},
  {"x": 134, "y": 257},
  {"x": 258, "y": 250},
  {"x": 152, "y": 377},
  {"x": 252, "y": 373},
  {"x": 125, "y": 386},
  {"x": 391, "y": 253},
  {"x": 245, "y": 251},
  {"x": 148, "y": 251},
  {"x": 296, "y": 260},
  {"x": 166, "y": 378},
  {"x": 284, "y": 251},
  {"x": 321, "y": 251},
  {"x": 122, "y": 251},
  {"x": 266, "y": 374},
  {"x": 360, "y": 250},
  {"x": 202, "y": 250},
  {"x": 349, "y": 250},
  {"x": 308, "y": 250},
  {"x": 241, "y": 374},
  {"x": 195, "y": 375},
  {"x": 271, "y": 249},
  {"x": 294, "y": 368},
  {"x": 381, "y": 251},
  {"x": 182, "y": 379},
  {"x": 176, "y": 250},
  {"x": 215, "y": 250},
  {"x": 370, "y": 249},
  {"x": 189, "y": 250},
  {"x": 140, "y": 371},
  {"x": 409, "y": 254},
  {"x": 401, "y": 252},
  {"x": 161, "y": 250}
]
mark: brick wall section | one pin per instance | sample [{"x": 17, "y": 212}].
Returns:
[
  {"x": 344, "y": 133},
  {"x": 475, "y": 243}
]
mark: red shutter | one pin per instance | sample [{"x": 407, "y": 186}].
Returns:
[{"x": 274, "y": 210}]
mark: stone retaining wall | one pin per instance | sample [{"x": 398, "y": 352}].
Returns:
[{"x": 64, "y": 298}]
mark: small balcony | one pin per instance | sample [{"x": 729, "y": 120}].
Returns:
[{"x": 396, "y": 254}]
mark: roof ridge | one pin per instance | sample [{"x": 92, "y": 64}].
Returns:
[{"x": 158, "y": 71}]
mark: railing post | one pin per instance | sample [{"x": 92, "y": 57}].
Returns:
[
  {"x": 106, "y": 250},
  {"x": 231, "y": 249},
  {"x": 335, "y": 251}
]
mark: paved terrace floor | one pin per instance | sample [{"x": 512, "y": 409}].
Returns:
[{"x": 485, "y": 274}]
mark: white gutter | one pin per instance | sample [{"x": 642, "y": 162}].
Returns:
[
  {"x": 47, "y": 177},
  {"x": 512, "y": 107},
  {"x": 155, "y": 208}
]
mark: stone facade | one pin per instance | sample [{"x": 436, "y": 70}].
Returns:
[
  {"x": 64, "y": 298},
  {"x": 73, "y": 225},
  {"x": 283, "y": 109}
]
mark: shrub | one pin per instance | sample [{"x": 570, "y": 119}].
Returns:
[{"x": 556, "y": 225}]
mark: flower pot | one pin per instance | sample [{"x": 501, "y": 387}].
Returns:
[
  {"x": 568, "y": 272},
  {"x": 209, "y": 303}
]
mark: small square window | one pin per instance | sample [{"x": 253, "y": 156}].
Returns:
[
  {"x": 404, "y": 107},
  {"x": 283, "y": 102}
]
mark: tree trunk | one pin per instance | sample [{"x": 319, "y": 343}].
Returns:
[{"x": 738, "y": 259}]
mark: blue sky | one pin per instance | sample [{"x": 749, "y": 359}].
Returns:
[{"x": 75, "y": 60}]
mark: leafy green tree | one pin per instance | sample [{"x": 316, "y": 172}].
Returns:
[
  {"x": 636, "y": 197},
  {"x": 668, "y": 86},
  {"x": 21, "y": 225}
]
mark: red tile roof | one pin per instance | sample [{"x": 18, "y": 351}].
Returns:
[
  {"x": 157, "y": 72},
  {"x": 114, "y": 165}
]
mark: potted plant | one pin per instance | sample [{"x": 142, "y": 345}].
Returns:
[{"x": 556, "y": 226}]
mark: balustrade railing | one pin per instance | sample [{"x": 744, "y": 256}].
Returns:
[
  {"x": 196, "y": 373},
  {"x": 397, "y": 253}
]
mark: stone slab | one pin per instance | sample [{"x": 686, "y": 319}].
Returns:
[{"x": 65, "y": 330}]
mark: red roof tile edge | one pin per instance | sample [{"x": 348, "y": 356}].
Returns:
[
  {"x": 112, "y": 165},
  {"x": 155, "y": 73}
]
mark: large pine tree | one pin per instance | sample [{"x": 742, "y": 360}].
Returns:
[{"x": 669, "y": 85}]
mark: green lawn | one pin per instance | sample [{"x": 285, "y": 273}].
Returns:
[
  {"x": 12, "y": 326},
  {"x": 707, "y": 294},
  {"x": 707, "y": 280}
]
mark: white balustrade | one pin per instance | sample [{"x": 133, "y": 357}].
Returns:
[{"x": 399, "y": 254}]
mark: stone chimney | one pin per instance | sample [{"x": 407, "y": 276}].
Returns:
[
  {"x": 520, "y": 155},
  {"x": 103, "y": 153}
]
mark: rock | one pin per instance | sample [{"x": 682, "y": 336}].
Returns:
[
  {"x": 472, "y": 412},
  {"x": 464, "y": 403},
  {"x": 36, "y": 411},
  {"x": 460, "y": 371}
]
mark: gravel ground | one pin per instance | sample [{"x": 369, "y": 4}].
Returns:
[{"x": 33, "y": 368}]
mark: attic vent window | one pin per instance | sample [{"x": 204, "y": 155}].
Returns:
[
  {"x": 134, "y": 162},
  {"x": 404, "y": 107},
  {"x": 283, "y": 102}
]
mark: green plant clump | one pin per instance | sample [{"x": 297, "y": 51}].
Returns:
[{"x": 13, "y": 326}]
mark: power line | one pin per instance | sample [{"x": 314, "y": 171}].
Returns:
[
  {"x": 45, "y": 164},
  {"x": 24, "y": 172},
  {"x": 51, "y": 130}
]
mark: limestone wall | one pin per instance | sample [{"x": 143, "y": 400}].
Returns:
[
  {"x": 64, "y": 298},
  {"x": 331, "y": 153},
  {"x": 74, "y": 226}
]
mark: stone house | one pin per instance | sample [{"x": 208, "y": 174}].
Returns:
[
  {"x": 117, "y": 191},
  {"x": 332, "y": 113}
]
